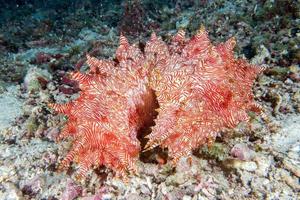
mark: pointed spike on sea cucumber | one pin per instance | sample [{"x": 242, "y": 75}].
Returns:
[
  {"x": 201, "y": 34},
  {"x": 253, "y": 68},
  {"x": 184, "y": 153},
  {"x": 132, "y": 169},
  {"x": 97, "y": 65},
  {"x": 135, "y": 171},
  {"x": 243, "y": 116},
  {"x": 68, "y": 130},
  {"x": 230, "y": 44},
  {"x": 148, "y": 145},
  {"x": 174, "y": 161},
  {"x": 148, "y": 136},
  {"x": 180, "y": 36},
  {"x": 61, "y": 108},
  {"x": 81, "y": 174},
  {"x": 151, "y": 145},
  {"x": 121, "y": 174},
  {"x": 80, "y": 77},
  {"x": 256, "y": 107},
  {"x": 76, "y": 147},
  {"x": 91, "y": 62},
  {"x": 181, "y": 33},
  {"x": 124, "y": 177},
  {"x": 75, "y": 75},
  {"x": 65, "y": 163},
  {"x": 153, "y": 36},
  {"x": 123, "y": 41},
  {"x": 63, "y": 134},
  {"x": 83, "y": 168},
  {"x": 202, "y": 29},
  {"x": 88, "y": 57},
  {"x": 259, "y": 69}
]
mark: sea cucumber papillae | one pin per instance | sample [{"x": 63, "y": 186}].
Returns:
[{"x": 198, "y": 90}]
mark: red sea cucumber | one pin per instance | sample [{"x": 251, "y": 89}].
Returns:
[
  {"x": 115, "y": 101},
  {"x": 200, "y": 89}
]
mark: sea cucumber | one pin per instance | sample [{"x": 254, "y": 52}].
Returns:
[{"x": 200, "y": 89}]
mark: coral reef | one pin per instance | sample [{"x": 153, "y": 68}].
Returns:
[{"x": 201, "y": 89}]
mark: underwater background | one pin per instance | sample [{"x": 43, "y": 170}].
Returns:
[{"x": 42, "y": 41}]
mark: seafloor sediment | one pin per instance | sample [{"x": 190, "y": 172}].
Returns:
[{"x": 40, "y": 43}]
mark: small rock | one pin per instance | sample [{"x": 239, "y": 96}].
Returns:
[
  {"x": 263, "y": 53},
  {"x": 107, "y": 197},
  {"x": 239, "y": 164},
  {"x": 52, "y": 133},
  {"x": 135, "y": 197},
  {"x": 242, "y": 152},
  {"x": 51, "y": 86},
  {"x": 94, "y": 197},
  {"x": 72, "y": 191},
  {"x": 178, "y": 178},
  {"x": 10, "y": 107},
  {"x": 291, "y": 181},
  {"x": 185, "y": 197},
  {"x": 264, "y": 164},
  {"x": 11, "y": 192},
  {"x": 6, "y": 172},
  {"x": 246, "y": 178},
  {"x": 33, "y": 186},
  {"x": 175, "y": 194},
  {"x": 36, "y": 79},
  {"x": 145, "y": 190},
  {"x": 207, "y": 186},
  {"x": 260, "y": 184},
  {"x": 249, "y": 166}
]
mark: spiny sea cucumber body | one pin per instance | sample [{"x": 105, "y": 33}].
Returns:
[{"x": 200, "y": 90}]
